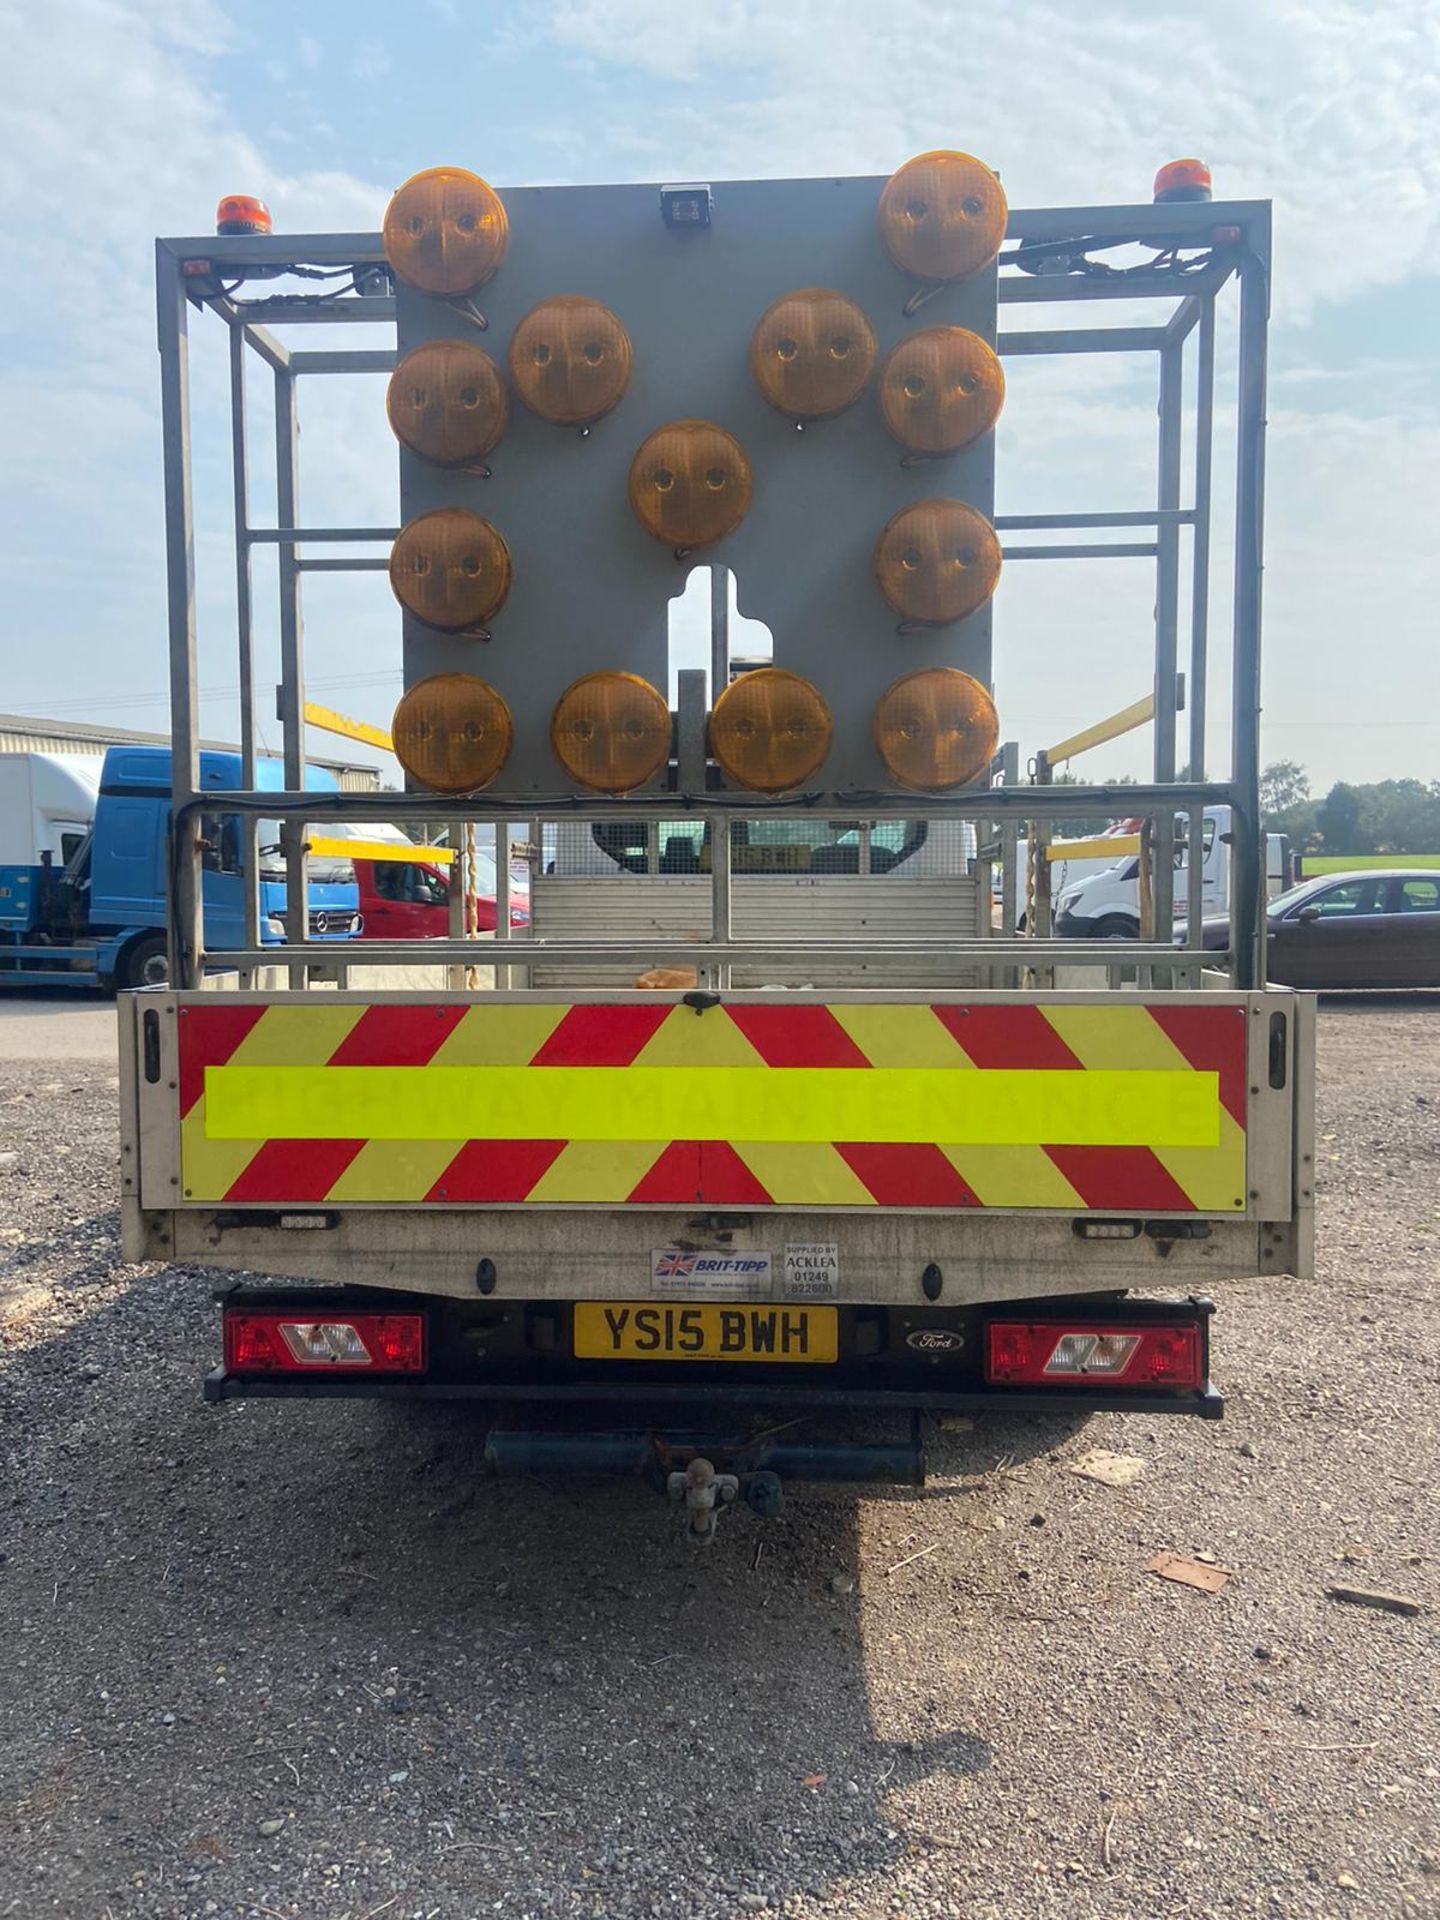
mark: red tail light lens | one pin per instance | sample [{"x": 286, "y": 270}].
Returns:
[
  {"x": 1051, "y": 1353},
  {"x": 343, "y": 1343}
]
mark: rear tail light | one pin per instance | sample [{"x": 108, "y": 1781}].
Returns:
[
  {"x": 349, "y": 1343},
  {"x": 1049, "y": 1353}
]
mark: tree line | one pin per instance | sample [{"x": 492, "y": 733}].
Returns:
[{"x": 1385, "y": 816}]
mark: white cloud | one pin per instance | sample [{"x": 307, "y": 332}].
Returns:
[
  {"x": 1329, "y": 108},
  {"x": 108, "y": 135},
  {"x": 112, "y": 128}
]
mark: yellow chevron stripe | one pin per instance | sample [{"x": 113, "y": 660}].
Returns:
[
  {"x": 804, "y": 1173},
  {"x": 596, "y": 1170},
  {"x": 295, "y": 1037},
  {"x": 394, "y": 1170},
  {"x": 210, "y": 1167},
  {"x": 684, "y": 1039},
  {"x": 503, "y": 1036},
  {"x": 1013, "y": 1177},
  {"x": 1213, "y": 1178},
  {"x": 902, "y": 1037},
  {"x": 1117, "y": 1037}
]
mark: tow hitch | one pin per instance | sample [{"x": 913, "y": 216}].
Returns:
[
  {"x": 704, "y": 1472},
  {"x": 704, "y": 1493}
]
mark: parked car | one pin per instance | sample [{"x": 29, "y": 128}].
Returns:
[{"x": 1375, "y": 928}]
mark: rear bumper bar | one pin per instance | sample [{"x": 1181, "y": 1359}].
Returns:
[{"x": 1206, "y": 1402}]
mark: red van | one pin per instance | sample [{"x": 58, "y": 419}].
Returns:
[{"x": 410, "y": 900}]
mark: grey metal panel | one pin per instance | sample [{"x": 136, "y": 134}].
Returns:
[
  {"x": 591, "y": 588},
  {"x": 773, "y": 908},
  {"x": 597, "y": 1253}
]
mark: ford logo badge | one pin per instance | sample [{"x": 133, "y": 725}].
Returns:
[{"x": 935, "y": 1340}]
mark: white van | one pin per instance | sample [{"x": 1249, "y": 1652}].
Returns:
[{"x": 1106, "y": 905}]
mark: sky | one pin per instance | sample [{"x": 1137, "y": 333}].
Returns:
[{"x": 123, "y": 119}]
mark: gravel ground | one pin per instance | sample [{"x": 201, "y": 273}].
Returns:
[{"x": 304, "y": 1662}]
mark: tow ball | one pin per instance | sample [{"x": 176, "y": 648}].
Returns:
[{"x": 705, "y": 1494}]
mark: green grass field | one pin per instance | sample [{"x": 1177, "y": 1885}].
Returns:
[{"x": 1312, "y": 864}]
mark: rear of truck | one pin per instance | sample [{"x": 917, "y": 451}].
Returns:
[{"x": 858, "y": 1155}]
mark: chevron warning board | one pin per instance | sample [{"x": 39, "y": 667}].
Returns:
[{"x": 1123, "y": 1108}]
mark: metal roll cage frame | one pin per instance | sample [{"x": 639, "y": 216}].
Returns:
[{"x": 1049, "y": 264}]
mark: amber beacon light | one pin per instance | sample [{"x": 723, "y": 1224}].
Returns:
[
  {"x": 242, "y": 213},
  {"x": 452, "y": 733},
  {"x": 611, "y": 731},
  {"x": 770, "y": 730},
  {"x": 942, "y": 216},
  {"x": 690, "y": 483},
  {"x": 812, "y": 353},
  {"x": 1181, "y": 180},
  {"x": 445, "y": 231},
  {"x": 446, "y": 402},
  {"x": 570, "y": 360},
  {"x": 941, "y": 389},
  {"x": 937, "y": 561},
  {"x": 936, "y": 729},
  {"x": 451, "y": 569}
]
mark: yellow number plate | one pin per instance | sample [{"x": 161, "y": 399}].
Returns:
[{"x": 640, "y": 1330}]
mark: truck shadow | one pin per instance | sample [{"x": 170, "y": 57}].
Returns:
[{"x": 508, "y": 1680}]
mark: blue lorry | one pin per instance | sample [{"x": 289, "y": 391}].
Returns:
[{"x": 83, "y": 903}]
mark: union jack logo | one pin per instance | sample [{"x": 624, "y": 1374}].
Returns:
[{"x": 674, "y": 1266}]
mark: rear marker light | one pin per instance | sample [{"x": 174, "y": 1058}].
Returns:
[
  {"x": 1019, "y": 1353},
  {"x": 1108, "y": 1229},
  {"x": 356, "y": 1342}
]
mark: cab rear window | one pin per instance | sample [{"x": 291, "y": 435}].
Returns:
[{"x": 763, "y": 846}]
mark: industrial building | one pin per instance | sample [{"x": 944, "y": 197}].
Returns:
[{"x": 25, "y": 733}]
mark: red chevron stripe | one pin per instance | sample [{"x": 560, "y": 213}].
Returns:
[
  {"x": 391, "y": 1036},
  {"x": 673, "y": 1179},
  {"x": 1213, "y": 1040},
  {"x": 601, "y": 1036},
  {"x": 294, "y": 1170},
  {"x": 1120, "y": 1180},
  {"x": 208, "y": 1036},
  {"x": 496, "y": 1171},
  {"x": 797, "y": 1036},
  {"x": 907, "y": 1176},
  {"x": 726, "y": 1181},
  {"x": 1000, "y": 1036}
]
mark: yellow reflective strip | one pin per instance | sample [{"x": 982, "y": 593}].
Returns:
[
  {"x": 596, "y": 1170},
  {"x": 888, "y": 1104},
  {"x": 1113, "y": 846},
  {"x": 1212, "y": 1178},
  {"x": 505, "y": 1036},
  {"x": 394, "y": 1170},
  {"x": 682, "y": 1040},
  {"x": 1013, "y": 1177},
  {"x": 336, "y": 847},
  {"x": 796, "y": 1174},
  {"x": 209, "y": 1167},
  {"x": 295, "y": 1037},
  {"x": 901, "y": 1036}
]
